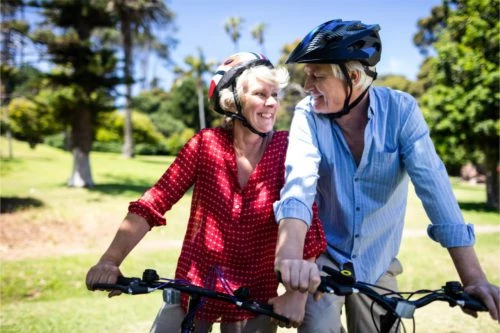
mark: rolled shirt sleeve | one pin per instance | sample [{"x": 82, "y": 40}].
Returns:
[{"x": 452, "y": 235}]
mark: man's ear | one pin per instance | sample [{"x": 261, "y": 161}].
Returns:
[{"x": 355, "y": 77}]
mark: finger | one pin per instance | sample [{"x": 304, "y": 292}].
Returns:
[
  {"x": 88, "y": 282},
  {"x": 489, "y": 296},
  {"x": 285, "y": 276},
  {"x": 296, "y": 278},
  {"x": 314, "y": 279},
  {"x": 318, "y": 295},
  {"x": 470, "y": 312},
  {"x": 91, "y": 280}
]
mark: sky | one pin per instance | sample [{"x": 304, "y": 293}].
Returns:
[{"x": 200, "y": 23}]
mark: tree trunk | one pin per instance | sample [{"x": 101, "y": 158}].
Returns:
[
  {"x": 81, "y": 144},
  {"x": 492, "y": 170},
  {"x": 201, "y": 104},
  {"x": 128, "y": 139},
  {"x": 81, "y": 175}
]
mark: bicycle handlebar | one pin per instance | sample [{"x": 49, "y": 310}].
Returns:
[
  {"x": 151, "y": 282},
  {"x": 340, "y": 283}
]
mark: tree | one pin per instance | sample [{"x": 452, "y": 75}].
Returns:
[
  {"x": 258, "y": 32},
  {"x": 31, "y": 121},
  {"x": 135, "y": 15},
  {"x": 182, "y": 103},
  {"x": 430, "y": 27},
  {"x": 197, "y": 68},
  {"x": 232, "y": 27},
  {"x": 462, "y": 103},
  {"x": 154, "y": 103},
  {"x": 148, "y": 44},
  {"x": 12, "y": 33},
  {"x": 83, "y": 73},
  {"x": 399, "y": 82},
  {"x": 294, "y": 92}
]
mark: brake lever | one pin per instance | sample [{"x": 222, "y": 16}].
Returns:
[{"x": 455, "y": 290}]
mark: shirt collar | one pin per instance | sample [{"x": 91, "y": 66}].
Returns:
[{"x": 372, "y": 106}]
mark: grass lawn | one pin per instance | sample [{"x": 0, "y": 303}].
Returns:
[{"x": 51, "y": 235}]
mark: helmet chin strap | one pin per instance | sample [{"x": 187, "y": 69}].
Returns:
[
  {"x": 348, "y": 107},
  {"x": 239, "y": 114}
]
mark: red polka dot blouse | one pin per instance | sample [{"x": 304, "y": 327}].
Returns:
[{"x": 231, "y": 230}]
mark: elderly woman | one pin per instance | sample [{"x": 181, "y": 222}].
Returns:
[{"x": 237, "y": 172}]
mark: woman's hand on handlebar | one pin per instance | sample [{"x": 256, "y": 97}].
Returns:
[
  {"x": 103, "y": 272},
  {"x": 291, "y": 305}
]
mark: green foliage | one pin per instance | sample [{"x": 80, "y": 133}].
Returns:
[
  {"x": 462, "y": 101},
  {"x": 154, "y": 103},
  {"x": 58, "y": 140},
  {"x": 107, "y": 146},
  {"x": 144, "y": 129},
  {"x": 197, "y": 67},
  {"x": 167, "y": 124},
  {"x": 109, "y": 135},
  {"x": 31, "y": 122},
  {"x": 26, "y": 81},
  {"x": 294, "y": 92},
  {"x": 232, "y": 27},
  {"x": 176, "y": 141},
  {"x": 150, "y": 101},
  {"x": 183, "y": 102},
  {"x": 399, "y": 82}
]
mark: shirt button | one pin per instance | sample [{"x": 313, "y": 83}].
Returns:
[
  {"x": 356, "y": 179},
  {"x": 358, "y": 209},
  {"x": 236, "y": 206},
  {"x": 356, "y": 236},
  {"x": 354, "y": 256}
]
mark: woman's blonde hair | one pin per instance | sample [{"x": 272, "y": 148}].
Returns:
[{"x": 277, "y": 76}]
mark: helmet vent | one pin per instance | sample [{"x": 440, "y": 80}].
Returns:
[
  {"x": 355, "y": 26},
  {"x": 323, "y": 38}
]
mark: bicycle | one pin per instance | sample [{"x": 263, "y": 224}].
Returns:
[
  {"x": 151, "y": 282},
  {"x": 343, "y": 283}
]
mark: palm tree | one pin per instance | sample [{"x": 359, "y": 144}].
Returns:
[
  {"x": 134, "y": 16},
  {"x": 232, "y": 28},
  {"x": 197, "y": 68},
  {"x": 258, "y": 34}
]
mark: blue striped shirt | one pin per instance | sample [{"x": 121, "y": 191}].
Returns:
[{"x": 362, "y": 207}]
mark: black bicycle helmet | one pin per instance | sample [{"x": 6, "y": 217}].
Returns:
[
  {"x": 338, "y": 41},
  {"x": 225, "y": 77}
]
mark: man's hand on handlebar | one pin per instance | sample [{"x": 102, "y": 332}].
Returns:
[
  {"x": 489, "y": 294},
  {"x": 103, "y": 272},
  {"x": 298, "y": 274}
]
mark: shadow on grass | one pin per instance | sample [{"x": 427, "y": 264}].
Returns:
[
  {"x": 476, "y": 207},
  {"x": 118, "y": 188},
  {"x": 14, "y": 204},
  {"x": 123, "y": 188}
]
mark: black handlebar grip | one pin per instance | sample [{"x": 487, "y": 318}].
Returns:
[
  {"x": 125, "y": 281},
  {"x": 110, "y": 286},
  {"x": 267, "y": 310},
  {"x": 122, "y": 284},
  {"x": 473, "y": 304}
]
